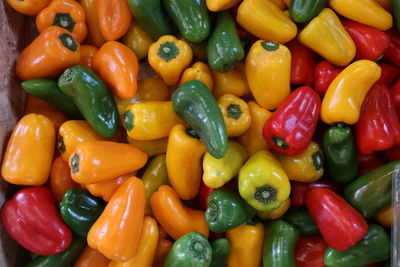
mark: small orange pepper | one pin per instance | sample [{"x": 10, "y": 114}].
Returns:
[
  {"x": 107, "y": 189},
  {"x": 163, "y": 247},
  {"x": 230, "y": 82},
  {"x": 60, "y": 178},
  {"x": 198, "y": 71},
  {"x": 28, "y": 7},
  {"x": 151, "y": 147},
  {"x": 87, "y": 54},
  {"x": 92, "y": 22},
  {"x": 91, "y": 258}
]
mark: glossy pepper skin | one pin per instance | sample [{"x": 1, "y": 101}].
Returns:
[
  {"x": 224, "y": 48},
  {"x": 324, "y": 73},
  {"x": 196, "y": 106},
  {"x": 67, "y": 14},
  {"x": 48, "y": 55},
  {"x": 372, "y": 191},
  {"x": 94, "y": 34},
  {"x": 205, "y": 191},
  {"x": 87, "y": 54},
  {"x": 198, "y": 71},
  {"x": 80, "y": 210},
  {"x": 93, "y": 99},
  {"x": 31, "y": 219},
  {"x": 268, "y": 73},
  {"x": 276, "y": 213},
  {"x": 31, "y": 7},
  {"x": 107, "y": 188},
  {"x": 310, "y": 251},
  {"x": 230, "y": 82},
  {"x": 20, "y": 166},
  {"x": 374, "y": 247},
  {"x": 216, "y": 5},
  {"x": 299, "y": 190},
  {"x": 60, "y": 178},
  {"x": 302, "y": 11},
  {"x": 91, "y": 257},
  {"x": 340, "y": 224},
  {"x": 326, "y": 36},
  {"x": 220, "y": 252},
  {"x": 290, "y": 128},
  {"x": 279, "y": 244},
  {"x": 302, "y": 220},
  {"x": 236, "y": 114},
  {"x": 340, "y": 153},
  {"x": 262, "y": 181},
  {"x": 303, "y": 62},
  {"x": 137, "y": 39}
]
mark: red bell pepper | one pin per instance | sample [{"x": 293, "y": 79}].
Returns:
[
  {"x": 32, "y": 219},
  {"x": 302, "y": 65},
  {"x": 290, "y": 128},
  {"x": 392, "y": 53},
  {"x": 393, "y": 153},
  {"x": 205, "y": 191},
  {"x": 395, "y": 92},
  {"x": 310, "y": 251},
  {"x": 389, "y": 74},
  {"x": 324, "y": 73},
  {"x": 299, "y": 190},
  {"x": 370, "y": 42},
  {"x": 378, "y": 127},
  {"x": 339, "y": 223},
  {"x": 367, "y": 163}
]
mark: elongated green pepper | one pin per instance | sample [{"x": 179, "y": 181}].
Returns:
[
  {"x": 192, "y": 249},
  {"x": 302, "y": 220},
  {"x": 91, "y": 96},
  {"x": 374, "y": 247},
  {"x": 220, "y": 252},
  {"x": 340, "y": 153},
  {"x": 196, "y": 106},
  {"x": 191, "y": 18},
  {"x": 302, "y": 11},
  {"x": 224, "y": 48},
  {"x": 279, "y": 244},
  {"x": 372, "y": 191}
]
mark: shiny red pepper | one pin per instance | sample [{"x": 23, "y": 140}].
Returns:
[
  {"x": 291, "y": 126},
  {"x": 367, "y": 163},
  {"x": 204, "y": 191},
  {"x": 339, "y": 223},
  {"x": 378, "y": 127},
  {"x": 395, "y": 92},
  {"x": 302, "y": 65},
  {"x": 324, "y": 74},
  {"x": 32, "y": 219},
  {"x": 299, "y": 190},
  {"x": 392, "y": 53},
  {"x": 389, "y": 74},
  {"x": 310, "y": 251}
]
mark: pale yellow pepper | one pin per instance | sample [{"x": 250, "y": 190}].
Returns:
[
  {"x": 198, "y": 71},
  {"x": 276, "y": 213},
  {"x": 230, "y": 82},
  {"x": 220, "y": 5}
]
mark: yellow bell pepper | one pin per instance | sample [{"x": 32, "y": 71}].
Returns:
[
  {"x": 246, "y": 245},
  {"x": 137, "y": 39},
  {"x": 268, "y": 73},
  {"x": 367, "y": 12},
  {"x": 150, "y": 120},
  {"x": 230, "y": 82},
  {"x": 386, "y": 4},
  {"x": 236, "y": 114},
  {"x": 276, "y": 213},
  {"x": 198, "y": 71},
  {"x": 151, "y": 147},
  {"x": 220, "y": 5},
  {"x": 326, "y": 35},
  {"x": 345, "y": 95},
  {"x": 252, "y": 139},
  {"x": 184, "y": 154},
  {"x": 279, "y": 3},
  {"x": 306, "y": 167},
  {"x": 169, "y": 57},
  {"x": 217, "y": 172},
  {"x": 385, "y": 216},
  {"x": 262, "y": 181},
  {"x": 266, "y": 21}
]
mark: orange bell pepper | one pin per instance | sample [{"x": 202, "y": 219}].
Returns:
[
  {"x": 107, "y": 189},
  {"x": 151, "y": 147},
  {"x": 118, "y": 66},
  {"x": 29, "y": 152},
  {"x": 173, "y": 216},
  {"x": 87, "y": 54},
  {"x": 67, "y": 14},
  {"x": 114, "y": 18},
  {"x": 198, "y": 71},
  {"x": 230, "y": 82},
  {"x": 28, "y": 7},
  {"x": 60, "y": 178},
  {"x": 92, "y": 22},
  {"x": 49, "y": 54},
  {"x": 116, "y": 232},
  {"x": 163, "y": 247},
  {"x": 91, "y": 258}
]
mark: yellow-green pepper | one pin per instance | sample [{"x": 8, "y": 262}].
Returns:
[
  {"x": 230, "y": 82},
  {"x": 137, "y": 39}
]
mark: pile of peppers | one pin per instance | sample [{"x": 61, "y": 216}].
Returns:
[{"x": 206, "y": 133}]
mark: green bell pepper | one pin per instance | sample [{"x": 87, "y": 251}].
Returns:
[
  {"x": 91, "y": 96},
  {"x": 195, "y": 105},
  {"x": 192, "y": 249},
  {"x": 63, "y": 259},
  {"x": 220, "y": 252},
  {"x": 396, "y": 14},
  {"x": 191, "y": 18},
  {"x": 302, "y": 220},
  {"x": 224, "y": 48},
  {"x": 48, "y": 91},
  {"x": 340, "y": 153},
  {"x": 374, "y": 247},
  {"x": 226, "y": 210},
  {"x": 302, "y": 11},
  {"x": 279, "y": 244},
  {"x": 372, "y": 191}
]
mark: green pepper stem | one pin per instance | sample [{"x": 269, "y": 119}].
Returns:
[
  {"x": 266, "y": 194},
  {"x": 65, "y": 21},
  {"x": 168, "y": 51},
  {"x": 279, "y": 142},
  {"x": 68, "y": 42},
  {"x": 212, "y": 211},
  {"x": 128, "y": 120},
  {"x": 75, "y": 163},
  {"x": 234, "y": 111},
  {"x": 270, "y": 45}
]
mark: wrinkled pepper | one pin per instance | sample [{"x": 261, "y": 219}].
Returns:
[
  {"x": 324, "y": 73},
  {"x": 276, "y": 213},
  {"x": 29, "y": 7},
  {"x": 60, "y": 178},
  {"x": 309, "y": 251},
  {"x": 299, "y": 189},
  {"x": 236, "y": 114},
  {"x": 164, "y": 245},
  {"x": 303, "y": 63},
  {"x": 151, "y": 147},
  {"x": 94, "y": 34},
  {"x": 302, "y": 220},
  {"x": 107, "y": 188},
  {"x": 91, "y": 257},
  {"x": 87, "y": 54},
  {"x": 137, "y": 39},
  {"x": 302, "y": 11},
  {"x": 220, "y": 252},
  {"x": 220, "y": 5},
  {"x": 230, "y": 82},
  {"x": 198, "y": 71}
]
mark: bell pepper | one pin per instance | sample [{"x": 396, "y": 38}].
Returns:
[
  {"x": 326, "y": 36},
  {"x": 205, "y": 191},
  {"x": 87, "y": 54},
  {"x": 63, "y": 259},
  {"x": 253, "y": 14},
  {"x": 48, "y": 55},
  {"x": 268, "y": 72},
  {"x": 48, "y": 91},
  {"x": 372, "y": 191},
  {"x": 169, "y": 57},
  {"x": 303, "y": 63},
  {"x": 374, "y": 247},
  {"x": 302, "y": 220},
  {"x": 279, "y": 244},
  {"x": 290, "y": 128},
  {"x": 60, "y": 178},
  {"x": 151, "y": 147},
  {"x": 30, "y": 7},
  {"x": 32, "y": 220},
  {"x": 220, "y": 252},
  {"x": 392, "y": 53},
  {"x": 94, "y": 34},
  {"x": 262, "y": 181},
  {"x": 117, "y": 66},
  {"x": 236, "y": 114},
  {"x": 29, "y": 153},
  {"x": 195, "y": 105},
  {"x": 218, "y": 5},
  {"x": 107, "y": 188},
  {"x": 137, "y": 39},
  {"x": 299, "y": 190},
  {"x": 252, "y": 139},
  {"x": 198, "y": 71},
  {"x": 385, "y": 216},
  {"x": 173, "y": 216},
  {"x": 67, "y": 14},
  {"x": 364, "y": 11},
  {"x": 80, "y": 210},
  {"x": 184, "y": 153},
  {"x": 230, "y": 82},
  {"x": 341, "y": 225},
  {"x": 276, "y": 213},
  {"x": 164, "y": 245},
  {"x": 91, "y": 257},
  {"x": 389, "y": 74},
  {"x": 302, "y": 11},
  {"x": 324, "y": 73},
  {"x": 309, "y": 251},
  {"x": 246, "y": 243},
  {"x": 98, "y": 161},
  {"x": 114, "y": 18}
]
